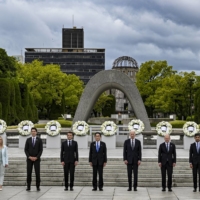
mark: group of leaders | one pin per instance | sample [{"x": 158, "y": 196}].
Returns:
[{"x": 132, "y": 156}]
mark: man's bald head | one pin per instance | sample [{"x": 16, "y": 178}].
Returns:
[{"x": 167, "y": 138}]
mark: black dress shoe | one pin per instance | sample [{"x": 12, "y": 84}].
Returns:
[
  {"x": 28, "y": 189},
  {"x": 135, "y": 189},
  {"x": 100, "y": 189},
  {"x": 71, "y": 189},
  {"x": 163, "y": 190},
  {"x": 170, "y": 190},
  {"x": 38, "y": 188},
  {"x": 194, "y": 190},
  {"x": 129, "y": 189},
  {"x": 66, "y": 189},
  {"x": 94, "y": 189}
]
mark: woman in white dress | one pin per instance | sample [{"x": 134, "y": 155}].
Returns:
[{"x": 3, "y": 161}]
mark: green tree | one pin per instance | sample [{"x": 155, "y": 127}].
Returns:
[
  {"x": 5, "y": 99},
  {"x": 0, "y": 110},
  {"x": 103, "y": 100},
  {"x": 175, "y": 94},
  {"x": 48, "y": 84},
  {"x": 109, "y": 107},
  {"x": 149, "y": 79},
  {"x": 7, "y": 65}
]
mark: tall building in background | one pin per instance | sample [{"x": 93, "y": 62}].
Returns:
[
  {"x": 73, "y": 58},
  {"x": 72, "y": 37}
]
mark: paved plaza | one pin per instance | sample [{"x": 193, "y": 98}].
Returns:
[
  {"x": 86, "y": 193},
  {"x": 110, "y": 193}
]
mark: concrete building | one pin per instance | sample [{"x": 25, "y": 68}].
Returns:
[
  {"x": 72, "y": 37},
  {"x": 73, "y": 58},
  {"x": 130, "y": 67}
]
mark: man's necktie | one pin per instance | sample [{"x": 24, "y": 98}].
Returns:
[
  {"x": 132, "y": 144},
  {"x": 69, "y": 143},
  {"x": 33, "y": 142},
  {"x": 97, "y": 147},
  {"x": 167, "y": 146},
  {"x": 197, "y": 147}
]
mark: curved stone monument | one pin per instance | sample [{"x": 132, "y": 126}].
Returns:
[{"x": 105, "y": 80}]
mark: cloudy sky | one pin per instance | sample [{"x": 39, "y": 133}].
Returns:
[{"x": 143, "y": 29}]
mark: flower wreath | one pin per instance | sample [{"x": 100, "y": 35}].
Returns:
[
  {"x": 24, "y": 127},
  {"x": 80, "y": 128},
  {"x": 163, "y": 128},
  {"x": 108, "y": 128},
  {"x": 190, "y": 129},
  {"x": 53, "y": 128},
  {"x": 136, "y": 125},
  {"x": 3, "y": 126}
]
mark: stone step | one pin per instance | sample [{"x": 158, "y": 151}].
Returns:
[
  {"x": 83, "y": 175},
  {"x": 115, "y": 173},
  {"x": 88, "y": 183}
]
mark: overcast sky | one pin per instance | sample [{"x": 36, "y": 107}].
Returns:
[{"x": 143, "y": 29}]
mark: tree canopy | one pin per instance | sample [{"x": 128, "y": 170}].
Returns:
[{"x": 48, "y": 84}]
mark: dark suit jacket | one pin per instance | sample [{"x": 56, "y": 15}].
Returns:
[
  {"x": 132, "y": 155},
  {"x": 194, "y": 155},
  {"x": 35, "y": 151},
  {"x": 69, "y": 154},
  {"x": 164, "y": 155},
  {"x": 101, "y": 156}
]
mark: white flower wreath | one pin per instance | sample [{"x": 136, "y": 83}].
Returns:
[
  {"x": 80, "y": 128},
  {"x": 136, "y": 125},
  {"x": 24, "y": 127},
  {"x": 190, "y": 129},
  {"x": 163, "y": 128},
  {"x": 108, "y": 128},
  {"x": 53, "y": 128},
  {"x": 3, "y": 126}
]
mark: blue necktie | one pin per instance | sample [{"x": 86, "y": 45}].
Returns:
[{"x": 97, "y": 147}]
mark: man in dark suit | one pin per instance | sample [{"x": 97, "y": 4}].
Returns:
[
  {"x": 33, "y": 150},
  {"x": 195, "y": 160},
  {"x": 98, "y": 160},
  {"x": 132, "y": 157},
  {"x": 69, "y": 159},
  {"x": 166, "y": 161}
]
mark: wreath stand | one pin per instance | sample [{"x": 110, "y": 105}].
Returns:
[
  {"x": 82, "y": 141},
  {"x": 160, "y": 140},
  {"x": 110, "y": 141},
  {"x": 22, "y": 140},
  {"x": 187, "y": 141},
  {"x": 53, "y": 142},
  {"x": 140, "y": 138}
]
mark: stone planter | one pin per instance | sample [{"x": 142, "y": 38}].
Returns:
[
  {"x": 82, "y": 141},
  {"x": 110, "y": 141},
  {"x": 160, "y": 140},
  {"x": 140, "y": 138},
  {"x": 4, "y": 136},
  {"x": 53, "y": 142},
  {"x": 187, "y": 141},
  {"x": 22, "y": 140}
]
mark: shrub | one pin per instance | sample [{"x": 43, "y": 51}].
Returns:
[
  {"x": 190, "y": 118},
  {"x": 5, "y": 99}
]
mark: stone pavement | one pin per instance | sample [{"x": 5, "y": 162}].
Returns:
[{"x": 86, "y": 193}]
